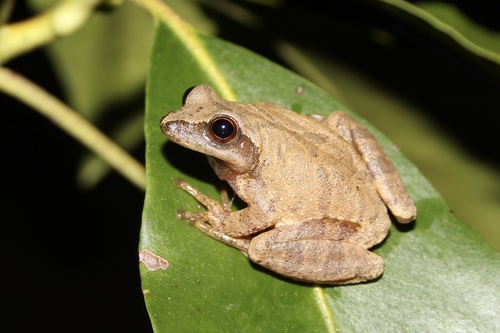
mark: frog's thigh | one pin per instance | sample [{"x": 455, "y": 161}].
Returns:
[
  {"x": 387, "y": 180},
  {"x": 364, "y": 236},
  {"x": 314, "y": 260}
]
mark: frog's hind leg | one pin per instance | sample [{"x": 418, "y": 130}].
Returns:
[
  {"x": 387, "y": 180},
  {"x": 316, "y": 251}
]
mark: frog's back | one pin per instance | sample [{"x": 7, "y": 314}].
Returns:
[{"x": 318, "y": 173}]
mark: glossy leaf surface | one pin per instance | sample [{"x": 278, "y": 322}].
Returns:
[{"x": 439, "y": 275}]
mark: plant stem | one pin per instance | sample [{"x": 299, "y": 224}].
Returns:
[
  {"x": 62, "y": 20},
  {"x": 447, "y": 29},
  {"x": 29, "y": 93}
]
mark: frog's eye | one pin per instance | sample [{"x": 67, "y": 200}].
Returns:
[{"x": 223, "y": 129}]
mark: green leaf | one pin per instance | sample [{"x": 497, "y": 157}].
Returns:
[{"x": 439, "y": 274}]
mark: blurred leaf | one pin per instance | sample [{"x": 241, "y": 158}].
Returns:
[
  {"x": 5, "y": 10},
  {"x": 474, "y": 31},
  {"x": 103, "y": 70},
  {"x": 105, "y": 61},
  {"x": 439, "y": 276}
]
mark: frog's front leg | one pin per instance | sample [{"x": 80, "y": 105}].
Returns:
[
  {"x": 215, "y": 211},
  {"x": 219, "y": 221},
  {"x": 386, "y": 178},
  {"x": 317, "y": 252}
]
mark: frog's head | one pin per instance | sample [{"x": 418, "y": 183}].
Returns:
[{"x": 215, "y": 127}]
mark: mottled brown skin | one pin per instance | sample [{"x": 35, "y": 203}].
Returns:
[{"x": 317, "y": 189}]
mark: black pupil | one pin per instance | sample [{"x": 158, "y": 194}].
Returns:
[{"x": 223, "y": 128}]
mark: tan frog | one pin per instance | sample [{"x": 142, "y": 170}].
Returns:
[{"x": 317, "y": 189}]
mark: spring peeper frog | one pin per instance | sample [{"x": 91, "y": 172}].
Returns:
[{"x": 317, "y": 189}]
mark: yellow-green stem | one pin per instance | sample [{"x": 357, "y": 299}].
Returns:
[
  {"x": 71, "y": 122},
  {"x": 62, "y": 20}
]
